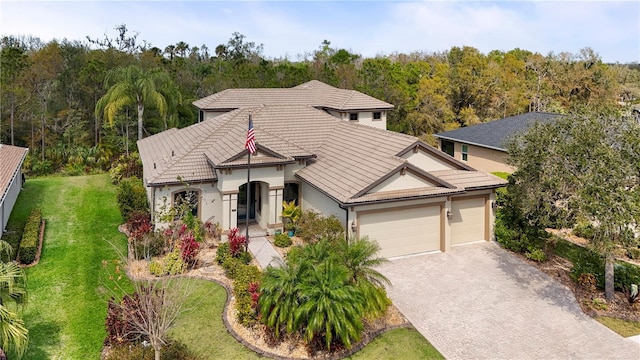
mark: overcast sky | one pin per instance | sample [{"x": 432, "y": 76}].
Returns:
[{"x": 368, "y": 28}]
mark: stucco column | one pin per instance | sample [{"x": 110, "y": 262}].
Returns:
[
  {"x": 446, "y": 222},
  {"x": 229, "y": 210},
  {"x": 275, "y": 201},
  {"x": 492, "y": 214}
]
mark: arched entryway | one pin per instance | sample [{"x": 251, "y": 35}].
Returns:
[{"x": 254, "y": 195}]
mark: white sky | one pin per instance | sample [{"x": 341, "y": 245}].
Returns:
[{"x": 368, "y": 28}]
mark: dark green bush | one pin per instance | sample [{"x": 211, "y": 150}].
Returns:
[
  {"x": 30, "y": 237},
  {"x": 516, "y": 237},
  {"x": 313, "y": 227},
  {"x": 282, "y": 240},
  {"x": 624, "y": 275},
  {"x": 634, "y": 253},
  {"x": 132, "y": 197}
]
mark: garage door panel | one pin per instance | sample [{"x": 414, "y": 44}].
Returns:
[
  {"x": 403, "y": 231},
  {"x": 468, "y": 220}
]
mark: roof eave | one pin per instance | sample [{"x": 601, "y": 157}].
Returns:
[{"x": 471, "y": 143}]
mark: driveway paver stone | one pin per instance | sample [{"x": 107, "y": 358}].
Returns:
[{"x": 478, "y": 301}]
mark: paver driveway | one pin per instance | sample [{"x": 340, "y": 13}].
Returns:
[{"x": 480, "y": 302}]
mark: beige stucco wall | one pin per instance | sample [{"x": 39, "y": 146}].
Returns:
[
  {"x": 398, "y": 181},
  {"x": 10, "y": 199},
  {"x": 210, "y": 201},
  {"x": 211, "y": 114},
  {"x": 313, "y": 199},
  {"x": 365, "y": 118},
  {"x": 481, "y": 158},
  {"x": 426, "y": 161}
]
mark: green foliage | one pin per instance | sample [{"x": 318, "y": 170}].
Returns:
[
  {"x": 323, "y": 291},
  {"x": 173, "y": 264},
  {"x": 292, "y": 213},
  {"x": 536, "y": 254},
  {"x": 132, "y": 197},
  {"x": 156, "y": 268},
  {"x": 31, "y": 237},
  {"x": 246, "y": 308},
  {"x": 634, "y": 253},
  {"x": 313, "y": 227},
  {"x": 152, "y": 244},
  {"x": 584, "y": 229},
  {"x": 222, "y": 253},
  {"x": 282, "y": 240},
  {"x": 126, "y": 167}
]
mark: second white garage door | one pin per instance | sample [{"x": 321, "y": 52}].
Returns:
[
  {"x": 468, "y": 220},
  {"x": 403, "y": 231}
]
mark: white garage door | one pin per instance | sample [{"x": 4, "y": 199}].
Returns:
[
  {"x": 468, "y": 220},
  {"x": 403, "y": 231}
]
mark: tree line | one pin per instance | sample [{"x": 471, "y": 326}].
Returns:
[{"x": 56, "y": 95}]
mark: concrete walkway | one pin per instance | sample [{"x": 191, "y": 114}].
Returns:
[
  {"x": 264, "y": 252},
  {"x": 480, "y": 302}
]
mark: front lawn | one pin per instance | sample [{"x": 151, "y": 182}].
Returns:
[
  {"x": 66, "y": 309},
  {"x": 67, "y": 304}
]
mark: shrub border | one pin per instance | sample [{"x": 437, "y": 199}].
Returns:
[{"x": 38, "y": 251}]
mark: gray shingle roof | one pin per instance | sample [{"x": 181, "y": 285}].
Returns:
[
  {"x": 313, "y": 93},
  {"x": 11, "y": 158},
  {"x": 495, "y": 134},
  {"x": 345, "y": 158}
]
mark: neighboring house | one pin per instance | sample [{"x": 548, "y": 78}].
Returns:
[
  {"x": 11, "y": 158},
  {"x": 392, "y": 187},
  {"x": 483, "y": 146}
]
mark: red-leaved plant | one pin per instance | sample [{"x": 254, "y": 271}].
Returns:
[
  {"x": 237, "y": 242},
  {"x": 254, "y": 290},
  {"x": 139, "y": 225},
  {"x": 189, "y": 248}
]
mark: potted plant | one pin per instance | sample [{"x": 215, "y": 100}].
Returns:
[{"x": 291, "y": 212}]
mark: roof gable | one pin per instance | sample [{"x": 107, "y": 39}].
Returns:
[{"x": 496, "y": 134}]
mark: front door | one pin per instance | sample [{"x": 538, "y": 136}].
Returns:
[{"x": 242, "y": 202}]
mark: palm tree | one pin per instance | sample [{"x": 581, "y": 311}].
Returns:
[
  {"x": 360, "y": 257},
  {"x": 331, "y": 306},
  {"x": 132, "y": 86},
  {"x": 13, "y": 295},
  {"x": 279, "y": 295}
]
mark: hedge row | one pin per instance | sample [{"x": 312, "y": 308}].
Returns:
[{"x": 31, "y": 237}]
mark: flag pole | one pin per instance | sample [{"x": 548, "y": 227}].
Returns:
[{"x": 248, "y": 193}]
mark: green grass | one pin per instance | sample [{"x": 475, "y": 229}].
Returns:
[
  {"x": 398, "y": 344},
  {"x": 500, "y": 174},
  {"x": 622, "y": 327},
  {"x": 67, "y": 306}
]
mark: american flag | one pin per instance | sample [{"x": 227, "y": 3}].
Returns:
[{"x": 251, "y": 138}]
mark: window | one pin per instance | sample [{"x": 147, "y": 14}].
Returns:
[
  {"x": 353, "y": 116},
  {"x": 291, "y": 192},
  {"x": 465, "y": 152},
  {"x": 377, "y": 115},
  {"x": 201, "y": 118},
  {"x": 186, "y": 200},
  {"x": 446, "y": 146}
]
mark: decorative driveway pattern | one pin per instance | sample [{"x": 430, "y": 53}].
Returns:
[{"x": 480, "y": 302}]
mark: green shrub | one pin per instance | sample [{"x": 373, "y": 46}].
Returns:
[
  {"x": 536, "y": 254},
  {"x": 282, "y": 240},
  {"x": 132, "y": 197},
  {"x": 223, "y": 252},
  {"x": 125, "y": 167},
  {"x": 586, "y": 261},
  {"x": 246, "y": 304},
  {"x": 173, "y": 264},
  {"x": 313, "y": 227},
  {"x": 584, "y": 229},
  {"x": 156, "y": 268},
  {"x": 30, "y": 237},
  {"x": 625, "y": 275}
]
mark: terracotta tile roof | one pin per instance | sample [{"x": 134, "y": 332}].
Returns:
[
  {"x": 313, "y": 93},
  {"x": 11, "y": 158},
  {"x": 345, "y": 158}
]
